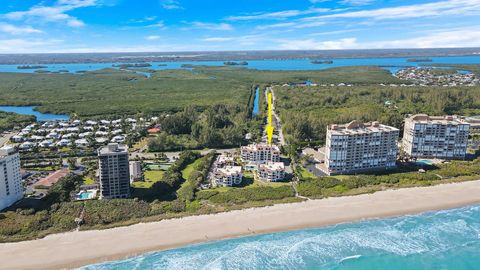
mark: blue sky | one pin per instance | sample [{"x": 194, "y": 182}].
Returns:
[{"x": 28, "y": 26}]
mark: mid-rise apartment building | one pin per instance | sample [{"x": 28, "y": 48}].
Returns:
[
  {"x": 357, "y": 147},
  {"x": 271, "y": 171},
  {"x": 11, "y": 188},
  {"x": 260, "y": 153},
  {"x": 114, "y": 171},
  {"x": 443, "y": 137},
  {"x": 136, "y": 172},
  {"x": 224, "y": 160},
  {"x": 228, "y": 176}
]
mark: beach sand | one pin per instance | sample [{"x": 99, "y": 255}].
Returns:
[{"x": 74, "y": 249}]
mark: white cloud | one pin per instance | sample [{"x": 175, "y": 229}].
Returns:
[
  {"x": 312, "y": 44},
  {"x": 27, "y": 45},
  {"x": 275, "y": 25},
  {"x": 17, "y": 30},
  {"x": 290, "y": 25},
  {"x": 158, "y": 25},
  {"x": 435, "y": 9},
  {"x": 55, "y": 13},
  {"x": 217, "y": 39},
  {"x": 213, "y": 26},
  {"x": 452, "y": 38},
  {"x": 443, "y": 39},
  {"x": 357, "y": 2},
  {"x": 153, "y": 37},
  {"x": 276, "y": 15},
  {"x": 246, "y": 40},
  {"x": 170, "y": 4}
]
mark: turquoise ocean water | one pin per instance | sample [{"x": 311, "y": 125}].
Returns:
[{"x": 448, "y": 239}]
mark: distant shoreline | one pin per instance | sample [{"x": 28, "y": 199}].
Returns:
[
  {"x": 75, "y": 249},
  {"x": 141, "y": 57}
]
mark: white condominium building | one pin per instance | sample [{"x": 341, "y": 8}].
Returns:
[
  {"x": 136, "y": 172},
  {"x": 228, "y": 176},
  {"x": 260, "y": 153},
  {"x": 271, "y": 171},
  {"x": 224, "y": 160},
  {"x": 11, "y": 189},
  {"x": 114, "y": 171},
  {"x": 357, "y": 146},
  {"x": 435, "y": 136}
]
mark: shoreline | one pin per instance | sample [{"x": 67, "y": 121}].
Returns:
[{"x": 76, "y": 249}]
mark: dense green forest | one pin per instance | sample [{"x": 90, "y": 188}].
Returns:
[
  {"x": 216, "y": 126},
  {"x": 114, "y": 92},
  {"x": 306, "y": 111},
  {"x": 10, "y": 120}
]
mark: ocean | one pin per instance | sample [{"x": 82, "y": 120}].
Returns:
[{"x": 448, "y": 239}]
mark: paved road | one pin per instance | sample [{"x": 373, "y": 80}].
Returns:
[
  {"x": 4, "y": 138},
  {"x": 276, "y": 119}
]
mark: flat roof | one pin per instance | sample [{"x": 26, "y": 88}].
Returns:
[
  {"x": 446, "y": 119},
  {"x": 358, "y": 127},
  {"x": 230, "y": 170},
  {"x": 113, "y": 148},
  {"x": 261, "y": 146},
  {"x": 273, "y": 166}
]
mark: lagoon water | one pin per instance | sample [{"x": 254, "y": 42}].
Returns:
[
  {"x": 392, "y": 64},
  {"x": 448, "y": 239},
  {"x": 256, "y": 102},
  {"x": 29, "y": 110}
]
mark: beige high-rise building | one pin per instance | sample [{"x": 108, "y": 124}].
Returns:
[
  {"x": 357, "y": 146},
  {"x": 443, "y": 137}
]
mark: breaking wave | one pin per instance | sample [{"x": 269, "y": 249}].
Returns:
[{"x": 444, "y": 239}]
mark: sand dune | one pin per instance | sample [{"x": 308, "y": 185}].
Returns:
[{"x": 75, "y": 249}]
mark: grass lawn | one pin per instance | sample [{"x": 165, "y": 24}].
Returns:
[
  {"x": 190, "y": 168},
  {"x": 140, "y": 144},
  {"x": 304, "y": 173},
  {"x": 151, "y": 177}
]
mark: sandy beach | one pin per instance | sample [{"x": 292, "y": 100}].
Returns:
[{"x": 74, "y": 249}]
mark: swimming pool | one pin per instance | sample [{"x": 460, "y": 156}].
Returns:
[
  {"x": 86, "y": 195},
  {"x": 424, "y": 162}
]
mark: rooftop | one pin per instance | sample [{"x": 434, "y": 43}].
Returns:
[
  {"x": 7, "y": 150},
  {"x": 230, "y": 170},
  {"x": 273, "y": 166},
  {"x": 446, "y": 119},
  {"x": 112, "y": 148},
  {"x": 52, "y": 178},
  {"x": 358, "y": 127},
  {"x": 261, "y": 146}
]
